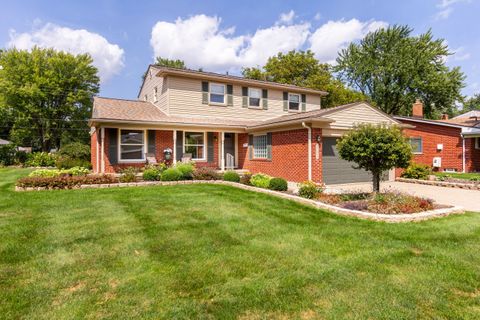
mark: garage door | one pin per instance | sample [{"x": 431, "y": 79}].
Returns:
[{"x": 336, "y": 170}]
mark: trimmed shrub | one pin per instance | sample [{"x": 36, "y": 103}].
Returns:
[
  {"x": 78, "y": 171},
  {"x": 309, "y": 190},
  {"x": 129, "y": 174},
  {"x": 21, "y": 157},
  {"x": 75, "y": 171},
  {"x": 40, "y": 159},
  {"x": 231, "y": 176},
  {"x": 278, "y": 184},
  {"x": 7, "y": 154},
  {"x": 151, "y": 174},
  {"x": 64, "y": 182},
  {"x": 245, "y": 178},
  {"x": 417, "y": 171},
  {"x": 186, "y": 169},
  {"x": 75, "y": 150},
  {"x": 205, "y": 173},
  {"x": 171, "y": 174},
  {"x": 260, "y": 180},
  {"x": 67, "y": 163}
]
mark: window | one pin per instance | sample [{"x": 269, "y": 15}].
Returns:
[
  {"x": 132, "y": 145},
  {"x": 260, "y": 146},
  {"x": 477, "y": 143},
  {"x": 254, "y": 96},
  {"x": 194, "y": 143},
  {"x": 145, "y": 98},
  {"x": 293, "y": 102},
  {"x": 155, "y": 94},
  {"x": 417, "y": 145},
  {"x": 217, "y": 93}
]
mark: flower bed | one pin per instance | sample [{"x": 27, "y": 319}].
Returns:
[{"x": 63, "y": 182}]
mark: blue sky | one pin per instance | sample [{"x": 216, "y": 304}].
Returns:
[{"x": 220, "y": 36}]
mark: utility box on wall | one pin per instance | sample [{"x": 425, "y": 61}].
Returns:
[{"x": 437, "y": 162}]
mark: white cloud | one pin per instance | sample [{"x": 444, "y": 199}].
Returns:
[
  {"x": 287, "y": 18},
  {"x": 461, "y": 54},
  {"x": 446, "y": 8},
  {"x": 317, "y": 16},
  {"x": 107, "y": 57},
  {"x": 333, "y": 36}
]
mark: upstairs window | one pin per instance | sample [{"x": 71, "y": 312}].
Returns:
[
  {"x": 145, "y": 98},
  {"x": 416, "y": 144},
  {"x": 260, "y": 146},
  {"x": 132, "y": 145},
  {"x": 217, "y": 93},
  {"x": 254, "y": 96},
  {"x": 293, "y": 102},
  {"x": 155, "y": 94}
]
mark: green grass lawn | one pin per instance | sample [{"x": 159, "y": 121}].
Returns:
[
  {"x": 466, "y": 176},
  {"x": 211, "y": 251}
]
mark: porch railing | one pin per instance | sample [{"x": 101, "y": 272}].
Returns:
[{"x": 230, "y": 161}]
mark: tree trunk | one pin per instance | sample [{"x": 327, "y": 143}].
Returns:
[{"x": 376, "y": 181}]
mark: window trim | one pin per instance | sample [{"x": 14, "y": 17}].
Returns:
[
  {"x": 477, "y": 143},
  {"x": 421, "y": 144},
  {"x": 299, "y": 102},
  {"x": 266, "y": 146},
  {"x": 224, "y": 94},
  {"x": 155, "y": 94},
  {"x": 205, "y": 146},
  {"x": 260, "y": 101},
  {"x": 144, "y": 146}
]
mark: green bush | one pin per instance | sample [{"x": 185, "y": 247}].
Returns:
[
  {"x": 63, "y": 162},
  {"x": 64, "y": 182},
  {"x": 129, "y": 174},
  {"x": 75, "y": 171},
  {"x": 151, "y": 174},
  {"x": 231, "y": 176},
  {"x": 205, "y": 173},
  {"x": 171, "y": 174},
  {"x": 7, "y": 154},
  {"x": 278, "y": 184},
  {"x": 21, "y": 157},
  {"x": 78, "y": 171},
  {"x": 186, "y": 169},
  {"x": 309, "y": 189},
  {"x": 260, "y": 180},
  {"x": 75, "y": 150},
  {"x": 417, "y": 171},
  {"x": 40, "y": 159}
]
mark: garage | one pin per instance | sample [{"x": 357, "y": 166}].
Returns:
[{"x": 336, "y": 170}]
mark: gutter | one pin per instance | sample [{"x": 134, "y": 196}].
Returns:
[
  {"x": 309, "y": 150},
  {"x": 463, "y": 154}
]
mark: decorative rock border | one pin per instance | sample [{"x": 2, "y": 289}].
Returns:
[
  {"x": 392, "y": 218},
  {"x": 471, "y": 186}
]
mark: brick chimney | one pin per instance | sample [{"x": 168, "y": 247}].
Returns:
[
  {"x": 417, "y": 109},
  {"x": 444, "y": 116}
]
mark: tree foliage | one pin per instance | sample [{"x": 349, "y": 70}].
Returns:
[
  {"x": 394, "y": 68},
  {"x": 301, "y": 68},
  {"x": 375, "y": 148},
  {"x": 472, "y": 103},
  {"x": 164, "y": 62},
  {"x": 47, "y": 95}
]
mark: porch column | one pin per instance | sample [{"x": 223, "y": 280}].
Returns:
[
  {"x": 174, "y": 146},
  {"x": 97, "y": 150},
  {"x": 222, "y": 163},
  {"x": 102, "y": 142}
]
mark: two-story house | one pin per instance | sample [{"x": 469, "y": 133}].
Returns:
[{"x": 225, "y": 122}]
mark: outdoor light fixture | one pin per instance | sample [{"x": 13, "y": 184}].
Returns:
[{"x": 319, "y": 138}]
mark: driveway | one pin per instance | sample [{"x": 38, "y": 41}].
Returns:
[{"x": 469, "y": 199}]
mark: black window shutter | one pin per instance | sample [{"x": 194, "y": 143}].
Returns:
[
  {"x": 285, "y": 101},
  {"x": 269, "y": 146},
  {"x": 210, "y": 146},
  {"x": 244, "y": 97},
  {"x": 204, "y": 92},
  {"x": 151, "y": 141},
  {"x": 250, "y": 146},
  {"x": 179, "y": 145},
  {"x": 112, "y": 134},
  {"x": 304, "y": 102},
  {"x": 265, "y": 99},
  {"x": 229, "y": 95}
]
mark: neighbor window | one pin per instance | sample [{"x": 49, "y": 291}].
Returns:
[
  {"x": 254, "y": 96},
  {"x": 293, "y": 102},
  {"x": 417, "y": 145},
  {"x": 132, "y": 145},
  {"x": 260, "y": 146},
  {"x": 194, "y": 143},
  {"x": 155, "y": 94},
  {"x": 217, "y": 93}
]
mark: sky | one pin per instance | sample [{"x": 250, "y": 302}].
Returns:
[{"x": 123, "y": 37}]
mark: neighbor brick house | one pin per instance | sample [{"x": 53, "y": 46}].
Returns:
[
  {"x": 227, "y": 122},
  {"x": 450, "y": 145}
]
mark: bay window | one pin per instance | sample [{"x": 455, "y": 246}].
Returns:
[
  {"x": 217, "y": 93},
  {"x": 132, "y": 145},
  {"x": 194, "y": 143},
  {"x": 260, "y": 146}
]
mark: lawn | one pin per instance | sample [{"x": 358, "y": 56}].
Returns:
[
  {"x": 465, "y": 176},
  {"x": 212, "y": 251}
]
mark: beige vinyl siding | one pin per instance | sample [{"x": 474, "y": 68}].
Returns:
[
  {"x": 359, "y": 114},
  {"x": 185, "y": 99},
  {"x": 148, "y": 89}
]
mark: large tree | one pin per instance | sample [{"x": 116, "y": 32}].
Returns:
[
  {"x": 394, "y": 68},
  {"x": 172, "y": 63},
  {"x": 48, "y": 95},
  {"x": 472, "y": 103},
  {"x": 301, "y": 68}
]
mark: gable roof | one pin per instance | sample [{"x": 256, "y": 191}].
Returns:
[{"x": 455, "y": 123}]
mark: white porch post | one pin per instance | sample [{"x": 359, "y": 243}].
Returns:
[
  {"x": 97, "y": 150},
  {"x": 102, "y": 139},
  {"x": 222, "y": 164},
  {"x": 174, "y": 146}
]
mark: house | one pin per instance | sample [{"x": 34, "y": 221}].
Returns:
[
  {"x": 448, "y": 145},
  {"x": 4, "y": 142},
  {"x": 227, "y": 122}
]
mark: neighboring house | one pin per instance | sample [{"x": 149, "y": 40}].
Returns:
[
  {"x": 451, "y": 145},
  {"x": 227, "y": 122},
  {"x": 4, "y": 142}
]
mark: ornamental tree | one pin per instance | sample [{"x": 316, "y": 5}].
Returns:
[{"x": 375, "y": 148}]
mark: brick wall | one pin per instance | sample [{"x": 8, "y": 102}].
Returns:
[
  {"x": 472, "y": 156},
  {"x": 93, "y": 151}
]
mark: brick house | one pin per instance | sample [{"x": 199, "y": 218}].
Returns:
[
  {"x": 450, "y": 145},
  {"x": 227, "y": 122}
]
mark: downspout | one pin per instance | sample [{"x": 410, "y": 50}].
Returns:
[
  {"x": 309, "y": 150},
  {"x": 463, "y": 153}
]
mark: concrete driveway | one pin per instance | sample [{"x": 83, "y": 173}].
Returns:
[{"x": 468, "y": 199}]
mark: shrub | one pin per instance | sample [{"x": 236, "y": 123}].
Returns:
[
  {"x": 67, "y": 163},
  {"x": 75, "y": 150},
  {"x": 231, "y": 176},
  {"x": 40, "y": 159},
  {"x": 21, "y": 157},
  {"x": 186, "y": 169},
  {"x": 64, "y": 182},
  {"x": 309, "y": 190},
  {"x": 7, "y": 154},
  {"x": 151, "y": 174},
  {"x": 129, "y": 174},
  {"x": 75, "y": 171},
  {"x": 417, "y": 171},
  {"x": 245, "y": 178},
  {"x": 394, "y": 203},
  {"x": 260, "y": 180},
  {"x": 278, "y": 184},
  {"x": 171, "y": 174},
  {"x": 205, "y": 173},
  {"x": 78, "y": 171}
]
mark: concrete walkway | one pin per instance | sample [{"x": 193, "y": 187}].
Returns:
[{"x": 468, "y": 199}]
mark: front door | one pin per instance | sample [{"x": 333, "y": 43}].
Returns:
[{"x": 229, "y": 150}]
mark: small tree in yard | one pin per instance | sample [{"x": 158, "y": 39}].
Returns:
[{"x": 375, "y": 148}]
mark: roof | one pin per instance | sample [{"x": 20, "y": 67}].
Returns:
[
  {"x": 3, "y": 142},
  {"x": 165, "y": 71},
  {"x": 456, "y": 123},
  {"x": 473, "y": 113}
]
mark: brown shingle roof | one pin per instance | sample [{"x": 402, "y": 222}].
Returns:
[{"x": 467, "y": 122}]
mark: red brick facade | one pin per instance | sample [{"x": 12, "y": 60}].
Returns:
[{"x": 93, "y": 151}]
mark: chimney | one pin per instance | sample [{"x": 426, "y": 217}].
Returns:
[
  {"x": 417, "y": 109},
  {"x": 444, "y": 116}
]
